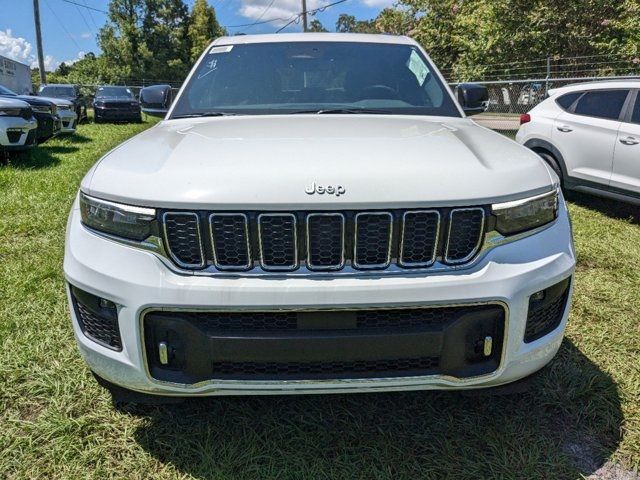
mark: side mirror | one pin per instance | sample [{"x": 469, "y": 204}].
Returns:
[
  {"x": 156, "y": 100},
  {"x": 472, "y": 97}
]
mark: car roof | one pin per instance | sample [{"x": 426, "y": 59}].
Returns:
[
  {"x": 600, "y": 85},
  {"x": 12, "y": 102},
  {"x": 314, "y": 37},
  {"x": 59, "y": 85}
]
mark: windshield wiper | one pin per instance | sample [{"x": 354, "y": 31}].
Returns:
[
  {"x": 345, "y": 111},
  {"x": 206, "y": 114}
]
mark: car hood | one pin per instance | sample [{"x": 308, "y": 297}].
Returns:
[
  {"x": 270, "y": 162},
  {"x": 33, "y": 100},
  {"x": 58, "y": 101}
]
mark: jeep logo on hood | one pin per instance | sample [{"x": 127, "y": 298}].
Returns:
[{"x": 336, "y": 190}]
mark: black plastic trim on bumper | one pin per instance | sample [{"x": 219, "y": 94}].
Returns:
[{"x": 453, "y": 347}]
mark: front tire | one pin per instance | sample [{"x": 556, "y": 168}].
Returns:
[{"x": 553, "y": 163}]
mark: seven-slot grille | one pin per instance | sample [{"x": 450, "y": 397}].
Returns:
[{"x": 323, "y": 241}]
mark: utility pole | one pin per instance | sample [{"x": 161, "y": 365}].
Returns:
[
  {"x": 305, "y": 26},
  {"x": 36, "y": 17}
]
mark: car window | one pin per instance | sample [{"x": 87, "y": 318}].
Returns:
[
  {"x": 566, "y": 100},
  {"x": 288, "y": 77},
  {"x": 602, "y": 103},
  {"x": 635, "y": 116}
]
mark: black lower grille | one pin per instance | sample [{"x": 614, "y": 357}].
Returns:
[
  {"x": 14, "y": 135},
  {"x": 352, "y": 369},
  {"x": 98, "y": 322},
  {"x": 191, "y": 347},
  {"x": 545, "y": 314}
]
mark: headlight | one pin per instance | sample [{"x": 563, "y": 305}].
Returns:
[
  {"x": 526, "y": 214},
  {"x": 64, "y": 107},
  {"x": 125, "y": 221},
  {"x": 42, "y": 108},
  {"x": 10, "y": 112}
]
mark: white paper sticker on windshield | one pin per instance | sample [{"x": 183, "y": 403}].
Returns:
[
  {"x": 221, "y": 49},
  {"x": 417, "y": 67}
]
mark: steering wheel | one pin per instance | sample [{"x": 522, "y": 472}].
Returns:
[{"x": 380, "y": 91}]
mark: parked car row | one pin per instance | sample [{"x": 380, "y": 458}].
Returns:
[{"x": 29, "y": 120}]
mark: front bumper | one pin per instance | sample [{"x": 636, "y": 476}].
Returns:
[
  {"x": 68, "y": 121},
  {"x": 138, "y": 282},
  {"x": 117, "y": 114},
  {"x": 17, "y": 133}
]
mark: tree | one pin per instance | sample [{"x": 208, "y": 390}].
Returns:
[
  {"x": 203, "y": 27},
  {"x": 147, "y": 39},
  {"x": 348, "y": 24},
  {"x": 316, "y": 26}
]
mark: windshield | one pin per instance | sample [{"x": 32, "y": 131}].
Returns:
[
  {"x": 114, "y": 92},
  {"x": 314, "y": 77},
  {"x": 6, "y": 91},
  {"x": 57, "y": 91}
]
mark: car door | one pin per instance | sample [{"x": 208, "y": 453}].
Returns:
[
  {"x": 626, "y": 157},
  {"x": 586, "y": 134}
]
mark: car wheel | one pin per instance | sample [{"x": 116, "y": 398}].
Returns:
[{"x": 552, "y": 162}]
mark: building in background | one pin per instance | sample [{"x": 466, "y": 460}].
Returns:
[{"x": 15, "y": 76}]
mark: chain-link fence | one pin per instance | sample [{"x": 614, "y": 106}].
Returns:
[
  {"x": 517, "y": 87},
  {"x": 510, "y": 98}
]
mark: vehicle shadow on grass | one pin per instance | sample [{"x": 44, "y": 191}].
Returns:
[
  {"x": 606, "y": 206},
  {"x": 41, "y": 157},
  {"x": 565, "y": 426}
]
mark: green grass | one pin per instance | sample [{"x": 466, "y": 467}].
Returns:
[{"x": 581, "y": 416}]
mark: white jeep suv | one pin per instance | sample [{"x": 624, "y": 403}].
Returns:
[
  {"x": 590, "y": 135},
  {"x": 316, "y": 214}
]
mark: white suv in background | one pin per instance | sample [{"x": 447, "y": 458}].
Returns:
[
  {"x": 17, "y": 125},
  {"x": 317, "y": 214},
  {"x": 590, "y": 135}
]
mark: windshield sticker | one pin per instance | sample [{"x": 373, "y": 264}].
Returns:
[
  {"x": 222, "y": 49},
  {"x": 417, "y": 67}
]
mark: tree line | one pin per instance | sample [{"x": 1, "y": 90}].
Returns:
[
  {"x": 157, "y": 40},
  {"x": 468, "y": 39}
]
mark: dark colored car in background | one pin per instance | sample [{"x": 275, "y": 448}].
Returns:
[
  {"x": 116, "y": 104},
  {"x": 45, "y": 111},
  {"x": 67, "y": 92}
]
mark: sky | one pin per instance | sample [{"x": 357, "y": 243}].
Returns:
[{"x": 69, "y": 30}]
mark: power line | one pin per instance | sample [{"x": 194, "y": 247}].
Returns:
[
  {"x": 87, "y": 7},
  {"x": 293, "y": 18},
  {"x": 62, "y": 25},
  {"x": 90, "y": 15},
  {"x": 261, "y": 15},
  {"x": 310, "y": 12}
]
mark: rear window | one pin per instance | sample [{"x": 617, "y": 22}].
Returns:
[
  {"x": 602, "y": 103},
  {"x": 635, "y": 116},
  {"x": 566, "y": 100}
]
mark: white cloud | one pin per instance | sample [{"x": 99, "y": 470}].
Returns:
[
  {"x": 85, "y": 35},
  {"x": 16, "y": 48},
  {"x": 19, "y": 49},
  {"x": 379, "y": 3},
  {"x": 284, "y": 9}
]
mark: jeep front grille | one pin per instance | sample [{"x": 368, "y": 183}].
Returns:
[{"x": 323, "y": 241}]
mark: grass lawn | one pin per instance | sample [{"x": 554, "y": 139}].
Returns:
[{"x": 581, "y": 417}]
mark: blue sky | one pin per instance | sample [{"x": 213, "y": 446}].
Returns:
[{"x": 69, "y": 31}]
